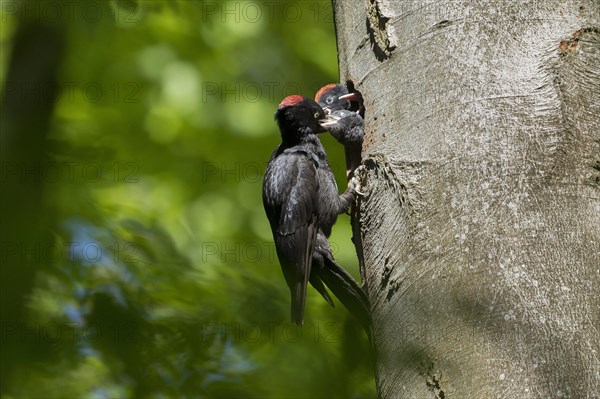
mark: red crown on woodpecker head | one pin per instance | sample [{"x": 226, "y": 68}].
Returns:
[
  {"x": 290, "y": 101},
  {"x": 324, "y": 89}
]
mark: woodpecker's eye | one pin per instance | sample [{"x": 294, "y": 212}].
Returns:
[
  {"x": 329, "y": 99},
  {"x": 317, "y": 115}
]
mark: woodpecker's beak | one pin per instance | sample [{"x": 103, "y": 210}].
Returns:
[
  {"x": 351, "y": 97},
  {"x": 328, "y": 120},
  {"x": 327, "y": 110}
]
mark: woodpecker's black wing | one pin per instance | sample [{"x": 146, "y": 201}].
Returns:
[{"x": 290, "y": 198}]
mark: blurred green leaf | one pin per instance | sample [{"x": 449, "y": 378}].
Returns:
[{"x": 161, "y": 278}]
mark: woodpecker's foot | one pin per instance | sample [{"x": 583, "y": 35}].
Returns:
[
  {"x": 357, "y": 177},
  {"x": 354, "y": 184}
]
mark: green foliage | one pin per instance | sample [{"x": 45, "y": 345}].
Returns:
[{"x": 156, "y": 274}]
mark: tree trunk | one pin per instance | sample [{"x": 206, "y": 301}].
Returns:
[
  {"x": 480, "y": 224},
  {"x": 28, "y": 97}
]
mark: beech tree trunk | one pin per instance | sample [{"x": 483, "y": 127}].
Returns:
[{"x": 480, "y": 226}]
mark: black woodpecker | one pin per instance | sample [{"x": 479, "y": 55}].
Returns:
[
  {"x": 298, "y": 195},
  {"x": 346, "y": 105},
  {"x": 301, "y": 199}
]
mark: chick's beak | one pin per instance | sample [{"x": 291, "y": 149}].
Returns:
[
  {"x": 351, "y": 97},
  {"x": 328, "y": 121}
]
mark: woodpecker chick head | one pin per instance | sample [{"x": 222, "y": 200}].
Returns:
[
  {"x": 335, "y": 97},
  {"x": 299, "y": 117}
]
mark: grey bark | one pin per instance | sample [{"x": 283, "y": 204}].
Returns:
[{"x": 480, "y": 228}]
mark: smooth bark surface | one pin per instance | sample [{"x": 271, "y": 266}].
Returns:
[{"x": 479, "y": 229}]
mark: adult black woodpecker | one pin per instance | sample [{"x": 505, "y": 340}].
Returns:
[
  {"x": 300, "y": 198},
  {"x": 347, "y": 106}
]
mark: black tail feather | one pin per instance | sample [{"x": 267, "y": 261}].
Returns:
[
  {"x": 316, "y": 282},
  {"x": 298, "y": 293},
  {"x": 346, "y": 289}
]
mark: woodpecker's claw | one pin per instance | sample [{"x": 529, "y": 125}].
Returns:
[
  {"x": 357, "y": 176},
  {"x": 354, "y": 184}
]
